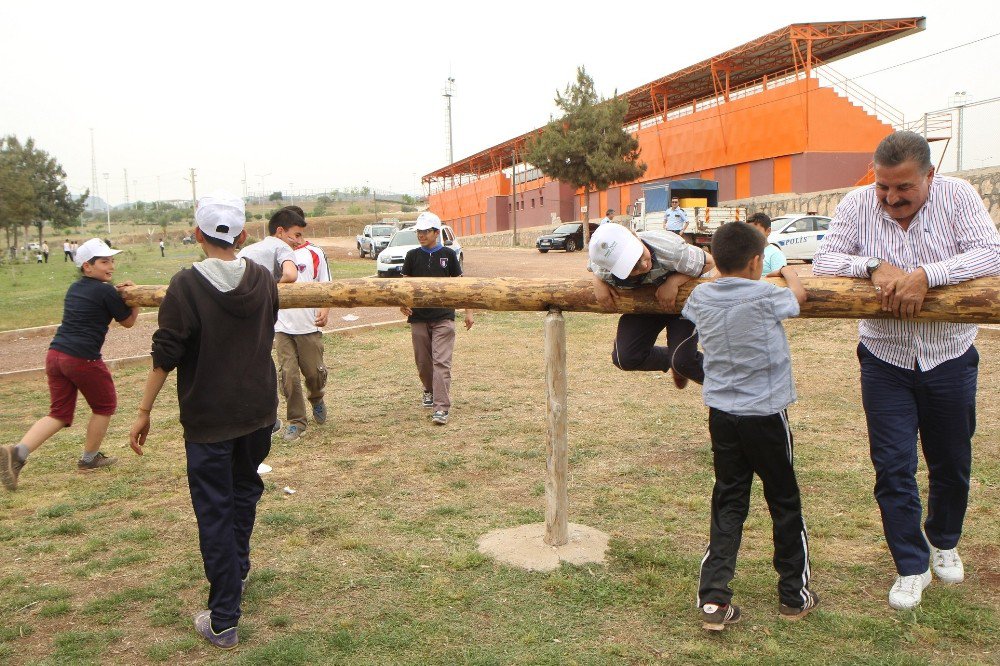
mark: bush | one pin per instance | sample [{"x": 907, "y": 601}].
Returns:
[
  {"x": 354, "y": 209},
  {"x": 409, "y": 209}
]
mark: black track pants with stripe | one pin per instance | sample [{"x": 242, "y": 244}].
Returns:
[{"x": 741, "y": 447}]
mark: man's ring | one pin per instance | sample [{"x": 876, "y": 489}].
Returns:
[{"x": 877, "y": 289}]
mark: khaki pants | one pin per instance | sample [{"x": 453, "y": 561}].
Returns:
[
  {"x": 433, "y": 344},
  {"x": 300, "y": 356}
]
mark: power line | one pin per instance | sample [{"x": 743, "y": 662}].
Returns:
[{"x": 929, "y": 55}]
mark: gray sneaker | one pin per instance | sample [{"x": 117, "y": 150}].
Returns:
[
  {"x": 292, "y": 432},
  {"x": 276, "y": 427},
  {"x": 10, "y": 467},
  {"x": 100, "y": 460},
  {"x": 319, "y": 412},
  {"x": 439, "y": 417},
  {"x": 793, "y": 613},
  {"x": 225, "y": 640},
  {"x": 428, "y": 399},
  {"x": 715, "y": 617}
]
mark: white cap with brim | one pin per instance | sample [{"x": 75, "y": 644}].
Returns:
[
  {"x": 221, "y": 215},
  {"x": 616, "y": 249},
  {"x": 427, "y": 220},
  {"x": 95, "y": 248}
]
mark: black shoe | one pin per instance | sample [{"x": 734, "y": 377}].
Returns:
[
  {"x": 428, "y": 399},
  {"x": 715, "y": 617},
  {"x": 793, "y": 613}
]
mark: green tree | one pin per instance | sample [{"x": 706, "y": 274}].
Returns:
[
  {"x": 588, "y": 146},
  {"x": 275, "y": 196},
  {"x": 33, "y": 189}
]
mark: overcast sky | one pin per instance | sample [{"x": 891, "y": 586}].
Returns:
[{"x": 334, "y": 95}]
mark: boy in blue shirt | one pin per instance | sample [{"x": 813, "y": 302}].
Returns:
[
  {"x": 73, "y": 364},
  {"x": 748, "y": 387},
  {"x": 774, "y": 258}
]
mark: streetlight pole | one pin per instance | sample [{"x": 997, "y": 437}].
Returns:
[{"x": 107, "y": 204}]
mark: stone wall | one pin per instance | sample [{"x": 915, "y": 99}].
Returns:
[
  {"x": 986, "y": 182},
  {"x": 525, "y": 237}
]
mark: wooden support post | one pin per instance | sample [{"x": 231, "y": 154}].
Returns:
[{"x": 556, "y": 449}]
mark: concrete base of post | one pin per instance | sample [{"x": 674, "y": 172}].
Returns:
[{"x": 525, "y": 547}]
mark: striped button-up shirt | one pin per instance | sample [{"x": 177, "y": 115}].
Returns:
[{"x": 951, "y": 237}]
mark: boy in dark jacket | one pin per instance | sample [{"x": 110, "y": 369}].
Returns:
[{"x": 216, "y": 326}]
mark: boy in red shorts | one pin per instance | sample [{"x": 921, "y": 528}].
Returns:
[{"x": 73, "y": 363}]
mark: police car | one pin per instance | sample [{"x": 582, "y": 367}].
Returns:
[{"x": 798, "y": 235}]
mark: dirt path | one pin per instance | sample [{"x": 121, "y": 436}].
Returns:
[{"x": 26, "y": 350}]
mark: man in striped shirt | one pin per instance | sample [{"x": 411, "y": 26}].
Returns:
[{"x": 910, "y": 231}]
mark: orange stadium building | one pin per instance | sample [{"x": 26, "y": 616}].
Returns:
[{"x": 767, "y": 117}]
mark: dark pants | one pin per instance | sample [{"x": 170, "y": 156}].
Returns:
[
  {"x": 742, "y": 446},
  {"x": 635, "y": 345},
  {"x": 225, "y": 488},
  {"x": 940, "y": 404}
]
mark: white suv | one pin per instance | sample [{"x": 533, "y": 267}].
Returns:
[{"x": 390, "y": 261}]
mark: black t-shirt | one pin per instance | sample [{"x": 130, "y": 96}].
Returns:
[
  {"x": 89, "y": 307},
  {"x": 442, "y": 262}
]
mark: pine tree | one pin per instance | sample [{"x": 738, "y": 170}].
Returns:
[{"x": 588, "y": 146}]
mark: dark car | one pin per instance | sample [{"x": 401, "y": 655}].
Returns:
[{"x": 567, "y": 237}]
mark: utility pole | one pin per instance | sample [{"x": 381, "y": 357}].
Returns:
[
  {"x": 513, "y": 192},
  {"x": 194, "y": 190},
  {"x": 95, "y": 190},
  {"x": 449, "y": 90},
  {"x": 125, "y": 171},
  {"x": 291, "y": 192},
  {"x": 107, "y": 193},
  {"x": 159, "y": 196},
  {"x": 244, "y": 180}
]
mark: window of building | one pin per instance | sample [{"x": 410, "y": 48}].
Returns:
[
  {"x": 532, "y": 202},
  {"x": 541, "y": 200}
]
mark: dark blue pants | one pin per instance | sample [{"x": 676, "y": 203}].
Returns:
[
  {"x": 741, "y": 447},
  {"x": 225, "y": 488},
  {"x": 940, "y": 405},
  {"x": 636, "y": 349}
]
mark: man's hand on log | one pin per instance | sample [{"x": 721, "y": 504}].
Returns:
[
  {"x": 909, "y": 295},
  {"x": 885, "y": 278},
  {"x": 406, "y": 311}
]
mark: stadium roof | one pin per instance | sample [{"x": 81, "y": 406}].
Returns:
[{"x": 796, "y": 47}]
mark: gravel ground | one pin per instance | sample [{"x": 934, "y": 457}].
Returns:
[{"x": 25, "y": 350}]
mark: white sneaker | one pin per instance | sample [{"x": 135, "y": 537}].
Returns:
[
  {"x": 906, "y": 591},
  {"x": 947, "y": 565}
]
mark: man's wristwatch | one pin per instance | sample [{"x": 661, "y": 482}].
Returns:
[{"x": 872, "y": 265}]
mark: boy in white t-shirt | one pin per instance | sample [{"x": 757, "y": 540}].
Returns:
[{"x": 298, "y": 338}]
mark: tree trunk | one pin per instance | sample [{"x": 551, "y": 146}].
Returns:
[
  {"x": 586, "y": 217},
  {"x": 973, "y": 302}
]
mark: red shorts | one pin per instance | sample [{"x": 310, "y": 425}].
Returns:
[{"x": 67, "y": 374}]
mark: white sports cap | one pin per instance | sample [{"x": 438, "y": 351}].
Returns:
[
  {"x": 221, "y": 215},
  {"x": 95, "y": 248},
  {"x": 427, "y": 220},
  {"x": 614, "y": 248}
]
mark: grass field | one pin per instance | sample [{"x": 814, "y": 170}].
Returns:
[
  {"x": 32, "y": 294},
  {"x": 373, "y": 560}
]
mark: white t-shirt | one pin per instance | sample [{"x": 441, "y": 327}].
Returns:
[
  {"x": 270, "y": 253},
  {"x": 312, "y": 266}
]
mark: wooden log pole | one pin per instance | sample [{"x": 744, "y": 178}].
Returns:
[
  {"x": 972, "y": 302},
  {"x": 556, "y": 447}
]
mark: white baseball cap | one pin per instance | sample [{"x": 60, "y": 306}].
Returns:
[
  {"x": 95, "y": 248},
  {"x": 221, "y": 215},
  {"x": 614, "y": 248},
  {"x": 427, "y": 220}
]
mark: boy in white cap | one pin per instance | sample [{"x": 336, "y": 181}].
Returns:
[
  {"x": 216, "y": 326},
  {"x": 622, "y": 259},
  {"x": 433, "y": 329},
  {"x": 73, "y": 363}
]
